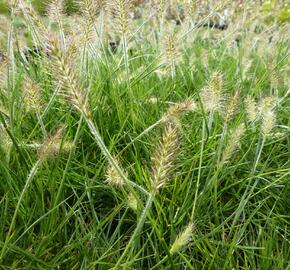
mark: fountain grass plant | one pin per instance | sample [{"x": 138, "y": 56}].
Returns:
[{"x": 171, "y": 138}]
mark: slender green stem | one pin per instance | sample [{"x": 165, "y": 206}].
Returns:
[
  {"x": 42, "y": 126},
  {"x": 137, "y": 229},
  {"x": 259, "y": 153},
  {"x": 127, "y": 67},
  {"x": 12, "y": 223},
  {"x": 199, "y": 169}
]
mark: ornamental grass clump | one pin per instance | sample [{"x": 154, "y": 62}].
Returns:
[{"x": 50, "y": 148}]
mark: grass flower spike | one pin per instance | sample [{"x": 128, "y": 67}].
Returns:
[
  {"x": 268, "y": 122},
  {"x": 175, "y": 111},
  {"x": 211, "y": 95},
  {"x": 52, "y": 145},
  {"x": 71, "y": 87},
  {"x": 183, "y": 239},
  {"x": 132, "y": 202},
  {"x": 234, "y": 143},
  {"x": 113, "y": 177},
  {"x": 164, "y": 157},
  {"x": 251, "y": 109},
  {"x": 32, "y": 98}
]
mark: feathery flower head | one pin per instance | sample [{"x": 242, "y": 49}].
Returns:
[
  {"x": 183, "y": 239},
  {"x": 132, "y": 202},
  {"x": 171, "y": 55},
  {"x": 3, "y": 72},
  {"x": 234, "y": 143},
  {"x": 72, "y": 89},
  {"x": 113, "y": 177},
  {"x": 51, "y": 146},
  {"x": 31, "y": 98},
  {"x": 231, "y": 106},
  {"x": 267, "y": 104},
  {"x": 211, "y": 95},
  {"x": 191, "y": 9},
  {"x": 175, "y": 111},
  {"x": 121, "y": 13},
  {"x": 5, "y": 141},
  {"x": 268, "y": 122},
  {"x": 164, "y": 157},
  {"x": 55, "y": 10},
  {"x": 251, "y": 109}
]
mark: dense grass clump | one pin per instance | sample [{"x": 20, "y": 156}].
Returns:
[{"x": 144, "y": 135}]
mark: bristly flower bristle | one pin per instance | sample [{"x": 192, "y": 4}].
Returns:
[
  {"x": 268, "y": 122},
  {"x": 175, "y": 111},
  {"x": 32, "y": 97},
  {"x": 71, "y": 87},
  {"x": 231, "y": 106},
  {"x": 267, "y": 104},
  {"x": 55, "y": 10},
  {"x": 211, "y": 95},
  {"x": 113, "y": 177},
  {"x": 51, "y": 146},
  {"x": 251, "y": 109},
  {"x": 132, "y": 202},
  {"x": 233, "y": 143},
  {"x": 183, "y": 239},
  {"x": 165, "y": 155},
  {"x": 121, "y": 13},
  {"x": 171, "y": 53}
]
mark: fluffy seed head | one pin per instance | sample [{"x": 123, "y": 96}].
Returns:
[
  {"x": 164, "y": 156},
  {"x": 231, "y": 106},
  {"x": 267, "y": 104},
  {"x": 132, "y": 202},
  {"x": 268, "y": 122},
  {"x": 177, "y": 110},
  {"x": 121, "y": 12},
  {"x": 191, "y": 8},
  {"x": 32, "y": 97},
  {"x": 234, "y": 143},
  {"x": 3, "y": 71},
  {"x": 55, "y": 10},
  {"x": 171, "y": 53},
  {"x": 216, "y": 83},
  {"x": 113, "y": 177},
  {"x": 71, "y": 87},
  {"x": 86, "y": 24},
  {"x": 251, "y": 109},
  {"x": 183, "y": 239},
  {"x": 160, "y": 6},
  {"x": 211, "y": 95},
  {"x": 5, "y": 141},
  {"x": 51, "y": 146},
  {"x": 274, "y": 76}
]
